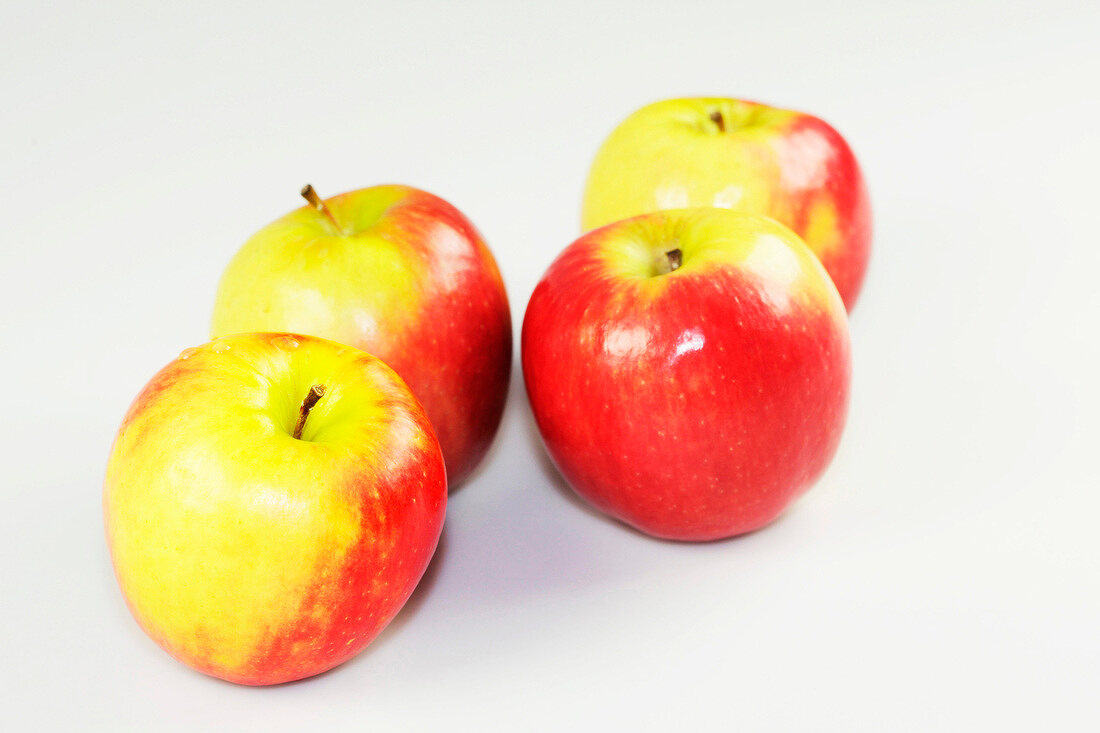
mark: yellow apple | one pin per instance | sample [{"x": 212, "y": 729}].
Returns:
[
  {"x": 400, "y": 274},
  {"x": 733, "y": 154},
  {"x": 271, "y": 502}
]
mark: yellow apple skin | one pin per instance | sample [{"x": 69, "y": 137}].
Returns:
[
  {"x": 254, "y": 556},
  {"x": 734, "y": 154},
  {"x": 405, "y": 277}
]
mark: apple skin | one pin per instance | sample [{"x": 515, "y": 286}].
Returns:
[
  {"x": 409, "y": 280},
  {"x": 788, "y": 165},
  {"x": 253, "y": 556},
  {"x": 697, "y": 404}
]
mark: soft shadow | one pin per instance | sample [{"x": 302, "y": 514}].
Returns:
[
  {"x": 423, "y": 589},
  {"x": 551, "y": 473},
  {"x": 491, "y": 454}
]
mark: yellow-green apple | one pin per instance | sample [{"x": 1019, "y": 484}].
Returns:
[
  {"x": 733, "y": 154},
  {"x": 688, "y": 370},
  {"x": 401, "y": 274},
  {"x": 271, "y": 501}
]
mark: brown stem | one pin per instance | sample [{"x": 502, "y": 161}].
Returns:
[
  {"x": 315, "y": 393},
  {"x": 317, "y": 203},
  {"x": 717, "y": 118},
  {"x": 671, "y": 261}
]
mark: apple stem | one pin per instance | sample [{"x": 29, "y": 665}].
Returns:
[
  {"x": 671, "y": 261},
  {"x": 315, "y": 393},
  {"x": 717, "y": 118},
  {"x": 317, "y": 203}
]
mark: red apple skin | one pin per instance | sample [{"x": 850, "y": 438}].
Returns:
[
  {"x": 841, "y": 182},
  {"x": 458, "y": 357},
  {"x": 714, "y": 411},
  {"x": 794, "y": 167},
  {"x": 443, "y": 322},
  {"x": 330, "y": 539}
]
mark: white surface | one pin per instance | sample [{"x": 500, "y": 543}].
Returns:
[{"x": 944, "y": 574}]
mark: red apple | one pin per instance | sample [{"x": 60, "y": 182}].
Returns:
[
  {"x": 400, "y": 274},
  {"x": 688, "y": 370},
  {"x": 271, "y": 501},
  {"x": 729, "y": 153}
]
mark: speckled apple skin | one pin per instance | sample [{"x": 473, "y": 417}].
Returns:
[
  {"x": 406, "y": 278},
  {"x": 791, "y": 166},
  {"x": 253, "y": 556},
  {"x": 697, "y": 404}
]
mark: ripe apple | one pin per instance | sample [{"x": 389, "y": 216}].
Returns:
[
  {"x": 733, "y": 154},
  {"x": 271, "y": 501},
  {"x": 688, "y": 370},
  {"x": 401, "y": 274}
]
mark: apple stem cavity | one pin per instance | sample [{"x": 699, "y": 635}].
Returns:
[
  {"x": 316, "y": 392},
  {"x": 670, "y": 261},
  {"x": 717, "y": 118},
  {"x": 317, "y": 203}
]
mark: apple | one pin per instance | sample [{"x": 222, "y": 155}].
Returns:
[
  {"x": 688, "y": 370},
  {"x": 271, "y": 502},
  {"x": 401, "y": 274},
  {"x": 733, "y": 154}
]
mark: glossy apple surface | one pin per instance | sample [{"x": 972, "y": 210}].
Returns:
[
  {"x": 401, "y": 274},
  {"x": 739, "y": 155},
  {"x": 255, "y": 556},
  {"x": 692, "y": 403}
]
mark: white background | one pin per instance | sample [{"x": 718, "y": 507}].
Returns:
[{"x": 945, "y": 573}]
